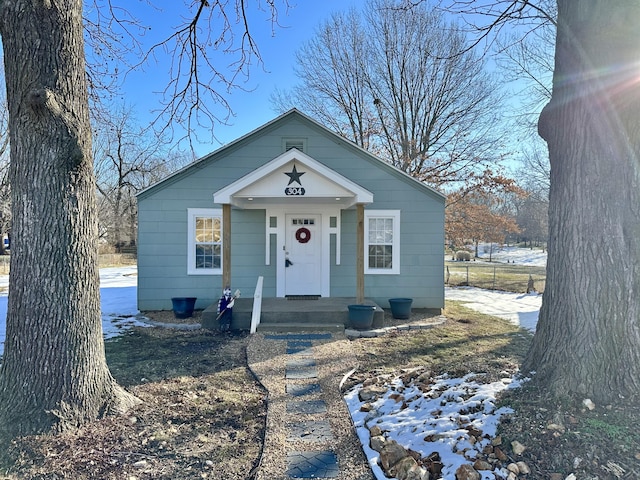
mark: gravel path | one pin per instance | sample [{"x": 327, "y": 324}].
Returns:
[{"x": 334, "y": 358}]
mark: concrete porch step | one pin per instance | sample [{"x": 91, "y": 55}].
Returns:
[
  {"x": 281, "y": 314},
  {"x": 317, "y": 317},
  {"x": 298, "y": 327}
]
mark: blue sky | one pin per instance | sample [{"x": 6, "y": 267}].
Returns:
[
  {"x": 251, "y": 108},
  {"x": 250, "y": 104}
]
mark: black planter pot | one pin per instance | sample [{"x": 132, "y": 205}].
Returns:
[
  {"x": 401, "y": 307},
  {"x": 361, "y": 316},
  {"x": 183, "y": 306}
]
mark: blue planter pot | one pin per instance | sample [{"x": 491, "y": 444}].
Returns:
[
  {"x": 361, "y": 316},
  {"x": 183, "y": 306},
  {"x": 401, "y": 307}
]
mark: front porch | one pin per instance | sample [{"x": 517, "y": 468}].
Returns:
[{"x": 288, "y": 315}]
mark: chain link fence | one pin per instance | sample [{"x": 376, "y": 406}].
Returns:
[{"x": 499, "y": 276}]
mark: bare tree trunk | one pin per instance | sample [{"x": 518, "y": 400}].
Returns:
[
  {"x": 588, "y": 338},
  {"x": 118, "y": 220},
  {"x": 54, "y": 373},
  {"x": 133, "y": 220}
]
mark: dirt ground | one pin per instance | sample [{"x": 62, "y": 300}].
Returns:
[
  {"x": 203, "y": 413},
  {"x": 560, "y": 439},
  {"x": 167, "y": 316}
]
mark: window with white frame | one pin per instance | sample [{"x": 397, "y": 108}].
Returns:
[
  {"x": 382, "y": 241},
  {"x": 204, "y": 255}
]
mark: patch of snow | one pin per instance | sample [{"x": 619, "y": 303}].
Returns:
[
  {"x": 518, "y": 308},
  {"x": 518, "y": 255},
  {"x": 521, "y": 309},
  {"x": 433, "y": 420}
]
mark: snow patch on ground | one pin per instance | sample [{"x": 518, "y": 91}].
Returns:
[
  {"x": 521, "y": 309},
  {"x": 520, "y": 256},
  {"x": 433, "y": 420}
]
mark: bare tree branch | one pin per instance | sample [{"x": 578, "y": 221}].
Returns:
[
  {"x": 499, "y": 15},
  {"x": 195, "y": 94},
  {"x": 208, "y": 55},
  {"x": 401, "y": 83}
]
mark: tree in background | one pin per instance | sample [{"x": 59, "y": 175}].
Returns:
[
  {"x": 532, "y": 219},
  {"x": 402, "y": 82},
  {"x": 532, "y": 210},
  {"x": 332, "y": 68},
  {"x": 128, "y": 159},
  {"x": 476, "y": 218},
  {"x": 525, "y": 57}
]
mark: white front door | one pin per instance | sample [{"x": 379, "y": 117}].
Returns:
[{"x": 303, "y": 255}]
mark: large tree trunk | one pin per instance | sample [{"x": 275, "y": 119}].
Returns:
[
  {"x": 587, "y": 342},
  {"x": 54, "y": 374}
]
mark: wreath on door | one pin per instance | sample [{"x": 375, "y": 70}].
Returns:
[{"x": 303, "y": 235}]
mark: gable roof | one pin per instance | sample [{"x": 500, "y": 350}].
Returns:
[
  {"x": 226, "y": 149},
  {"x": 260, "y": 183}
]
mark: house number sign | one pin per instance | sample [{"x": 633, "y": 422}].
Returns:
[
  {"x": 294, "y": 176},
  {"x": 294, "y": 191}
]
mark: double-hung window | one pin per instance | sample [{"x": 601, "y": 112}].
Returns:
[
  {"x": 382, "y": 241},
  {"x": 204, "y": 255}
]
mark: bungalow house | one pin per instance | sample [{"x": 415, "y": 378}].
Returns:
[{"x": 292, "y": 202}]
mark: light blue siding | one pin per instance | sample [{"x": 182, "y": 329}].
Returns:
[{"x": 163, "y": 237}]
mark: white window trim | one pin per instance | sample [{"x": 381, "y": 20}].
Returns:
[
  {"x": 395, "y": 256},
  {"x": 192, "y": 213}
]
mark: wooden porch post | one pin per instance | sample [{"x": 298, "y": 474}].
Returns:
[
  {"x": 226, "y": 245},
  {"x": 360, "y": 254}
]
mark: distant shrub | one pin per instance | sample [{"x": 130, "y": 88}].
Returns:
[
  {"x": 106, "y": 248},
  {"x": 463, "y": 256}
]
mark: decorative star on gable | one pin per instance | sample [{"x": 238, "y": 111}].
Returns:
[{"x": 294, "y": 176}]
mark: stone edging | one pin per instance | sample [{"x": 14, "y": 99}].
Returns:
[
  {"x": 380, "y": 332},
  {"x": 348, "y": 332},
  {"x": 175, "y": 326}
]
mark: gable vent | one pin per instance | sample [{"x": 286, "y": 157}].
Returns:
[{"x": 298, "y": 143}]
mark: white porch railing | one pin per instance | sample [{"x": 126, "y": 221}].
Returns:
[{"x": 257, "y": 306}]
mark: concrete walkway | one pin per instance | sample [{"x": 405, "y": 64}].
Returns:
[{"x": 309, "y": 430}]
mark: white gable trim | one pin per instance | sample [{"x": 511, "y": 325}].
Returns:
[{"x": 236, "y": 193}]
